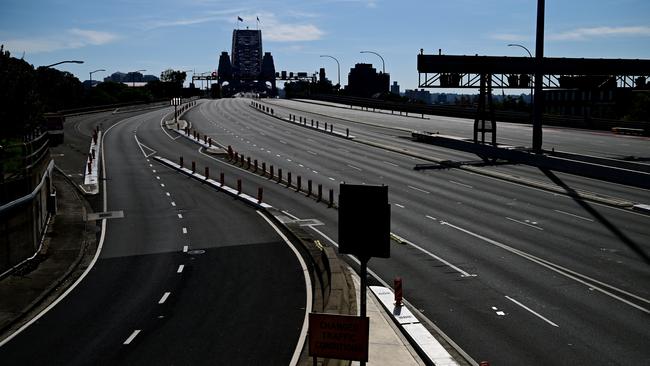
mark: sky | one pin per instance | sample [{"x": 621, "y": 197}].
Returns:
[{"x": 129, "y": 35}]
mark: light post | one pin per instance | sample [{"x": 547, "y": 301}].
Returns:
[
  {"x": 91, "y": 77},
  {"x": 338, "y": 65},
  {"x": 133, "y": 76},
  {"x": 531, "y": 84},
  {"x": 65, "y": 62},
  {"x": 383, "y": 64}
]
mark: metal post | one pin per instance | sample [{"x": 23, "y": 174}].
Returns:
[
  {"x": 538, "y": 104},
  {"x": 363, "y": 274}
]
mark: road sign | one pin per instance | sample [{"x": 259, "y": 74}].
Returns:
[
  {"x": 342, "y": 337},
  {"x": 364, "y": 221}
]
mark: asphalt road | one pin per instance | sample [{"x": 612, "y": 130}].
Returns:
[
  {"x": 513, "y": 274},
  {"x": 188, "y": 276}
]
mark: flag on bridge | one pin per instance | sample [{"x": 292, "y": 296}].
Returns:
[{"x": 240, "y": 19}]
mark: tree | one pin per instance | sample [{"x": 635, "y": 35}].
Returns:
[{"x": 173, "y": 76}]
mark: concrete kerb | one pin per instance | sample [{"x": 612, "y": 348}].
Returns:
[{"x": 322, "y": 130}]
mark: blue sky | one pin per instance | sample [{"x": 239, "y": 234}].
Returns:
[{"x": 127, "y": 35}]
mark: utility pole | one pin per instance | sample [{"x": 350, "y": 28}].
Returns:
[{"x": 538, "y": 102}]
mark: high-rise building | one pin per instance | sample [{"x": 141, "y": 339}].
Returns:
[
  {"x": 246, "y": 53},
  {"x": 364, "y": 81},
  {"x": 394, "y": 88}
]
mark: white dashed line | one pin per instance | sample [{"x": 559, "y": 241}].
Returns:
[
  {"x": 532, "y": 311},
  {"x": 164, "y": 298},
  {"x": 461, "y": 184},
  {"x": 180, "y": 216},
  {"x": 330, "y": 178},
  {"x": 283, "y": 142},
  {"x": 180, "y": 268},
  {"x": 419, "y": 189},
  {"x": 153, "y": 170},
  {"x": 151, "y": 165},
  {"x": 574, "y": 215},
  {"x": 185, "y": 249},
  {"x": 162, "y": 185},
  {"x": 168, "y": 195},
  {"x": 398, "y": 205},
  {"x": 524, "y": 223},
  {"x": 315, "y": 172},
  {"x": 184, "y": 230},
  {"x": 300, "y": 165},
  {"x": 430, "y": 217},
  {"x": 157, "y": 177},
  {"x": 354, "y": 167},
  {"x": 389, "y": 163},
  {"x": 173, "y": 203},
  {"x": 132, "y": 336},
  {"x": 311, "y": 152}
]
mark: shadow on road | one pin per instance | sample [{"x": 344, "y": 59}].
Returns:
[{"x": 587, "y": 207}]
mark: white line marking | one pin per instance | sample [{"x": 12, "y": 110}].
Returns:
[
  {"x": 315, "y": 172},
  {"x": 184, "y": 230},
  {"x": 561, "y": 270},
  {"x": 162, "y": 185},
  {"x": 164, "y": 298},
  {"x": 305, "y": 271},
  {"x": 419, "y": 189},
  {"x": 185, "y": 249},
  {"x": 524, "y": 223},
  {"x": 150, "y": 165},
  {"x": 180, "y": 216},
  {"x": 398, "y": 205},
  {"x": 157, "y": 177},
  {"x": 132, "y": 336},
  {"x": 300, "y": 165},
  {"x": 311, "y": 152},
  {"x": 330, "y": 178},
  {"x": 168, "y": 195},
  {"x": 461, "y": 184},
  {"x": 576, "y": 216},
  {"x": 532, "y": 311},
  {"x": 389, "y": 163},
  {"x": 430, "y": 217},
  {"x": 153, "y": 170},
  {"x": 354, "y": 167},
  {"x": 173, "y": 203},
  {"x": 180, "y": 268},
  {"x": 283, "y": 142}
]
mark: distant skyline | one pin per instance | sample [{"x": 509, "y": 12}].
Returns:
[{"x": 129, "y": 35}]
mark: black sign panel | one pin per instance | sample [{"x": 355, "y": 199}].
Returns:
[{"x": 364, "y": 221}]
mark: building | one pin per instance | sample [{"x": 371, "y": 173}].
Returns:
[
  {"x": 364, "y": 81},
  {"x": 246, "y": 54},
  {"x": 394, "y": 89},
  {"x": 421, "y": 95}
]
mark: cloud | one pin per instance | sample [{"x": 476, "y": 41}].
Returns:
[
  {"x": 206, "y": 16},
  {"x": 581, "y": 34},
  {"x": 69, "y": 39},
  {"x": 508, "y": 37},
  {"x": 276, "y": 30}
]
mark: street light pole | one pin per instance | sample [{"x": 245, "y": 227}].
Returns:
[
  {"x": 532, "y": 100},
  {"x": 383, "y": 64},
  {"x": 91, "y": 76},
  {"x": 133, "y": 76},
  {"x": 338, "y": 65},
  {"x": 538, "y": 105},
  {"x": 65, "y": 62}
]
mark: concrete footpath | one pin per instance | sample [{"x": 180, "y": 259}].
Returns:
[{"x": 35, "y": 284}]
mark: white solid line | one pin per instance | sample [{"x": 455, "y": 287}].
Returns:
[
  {"x": 180, "y": 268},
  {"x": 398, "y": 205},
  {"x": 532, "y": 311},
  {"x": 308, "y": 306},
  {"x": 430, "y": 217},
  {"x": 461, "y": 184},
  {"x": 389, "y": 163},
  {"x": 132, "y": 336},
  {"x": 419, "y": 189},
  {"x": 561, "y": 270},
  {"x": 524, "y": 223},
  {"x": 180, "y": 216},
  {"x": 354, "y": 167},
  {"x": 574, "y": 215},
  {"x": 164, "y": 298},
  {"x": 184, "y": 230},
  {"x": 173, "y": 203},
  {"x": 185, "y": 249}
]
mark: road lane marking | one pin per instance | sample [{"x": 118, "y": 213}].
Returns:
[
  {"x": 162, "y": 185},
  {"x": 354, "y": 167},
  {"x": 430, "y": 217},
  {"x": 419, "y": 189},
  {"x": 308, "y": 302},
  {"x": 330, "y": 178},
  {"x": 461, "y": 184},
  {"x": 389, "y": 163},
  {"x": 525, "y": 223},
  {"x": 180, "y": 216},
  {"x": 576, "y": 276},
  {"x": 157, "y": 177},
  {"x": 574, "y": 215},
  {"x": 184, "y": 230},
  {"x": 398, "y": 205},
  {"x": 185, "y": 247},
  {"x": 311, "y": 152},
  {"x": 283, "y": 142},
  {"x": 168, "y": 195},
  {"x": 180, "y": 268},
  {"x": 173, "y": 203},
  {"x": 132, "y": 336},
  {"x": 315, "y": 172},
  {"x": 150, "y": 165},
  {"x": 164, "y": 298},
  {"x": 532, "y": 311},
  {"x": 153, "y": 170}
]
